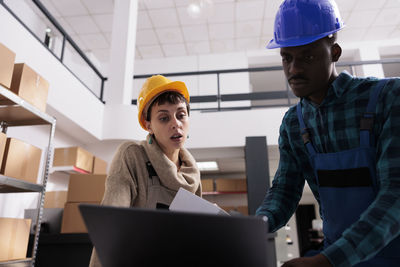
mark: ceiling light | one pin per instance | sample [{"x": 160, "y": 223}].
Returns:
[
  {"x": 207, "y": 166},
  {"x": 200, "y": 9},
  {"x": 194, "y": 10}
]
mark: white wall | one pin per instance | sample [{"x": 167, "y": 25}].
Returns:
[
  {"x": 230, "y": 128},
  {"x": 66, "y": 94}
]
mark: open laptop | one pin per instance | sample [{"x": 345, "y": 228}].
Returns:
[{"x": 143, "y": 237}]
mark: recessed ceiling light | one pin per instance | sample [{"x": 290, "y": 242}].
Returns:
[{"x": 200, "y": 8}]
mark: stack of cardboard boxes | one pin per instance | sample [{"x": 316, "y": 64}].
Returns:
[
  {"x": 18, "y": 159},
  {"x": 86, "y": 186},
  {"x": 82, "y": 188},
  {"x": 224, "y": 186}
]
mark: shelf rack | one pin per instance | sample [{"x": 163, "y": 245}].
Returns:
[
  {"x": 17, "y": 263},
  {"x": 15, "y": 111},
  {"x": 68, "y": 170},
  {"x": 224, "y": 193}
]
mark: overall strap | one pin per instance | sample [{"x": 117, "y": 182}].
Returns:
[
  {"x": 304, "y": 131},
  {"x": 367, "y": 118},
  {"x": 150, "y": 169}
]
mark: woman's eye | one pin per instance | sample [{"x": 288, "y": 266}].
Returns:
[
  {"x": 181, "y": 115},
  {"x": 163, "y": 119}
]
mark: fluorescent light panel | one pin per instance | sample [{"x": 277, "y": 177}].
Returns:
[{"x": 207, "y": 166}]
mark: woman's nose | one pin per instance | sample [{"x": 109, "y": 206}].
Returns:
[{"x": 175, "y": 123}]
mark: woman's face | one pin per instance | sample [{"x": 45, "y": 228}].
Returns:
[{"x": 170, "y": 124}]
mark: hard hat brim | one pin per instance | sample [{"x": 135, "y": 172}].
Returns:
[
  {"x": 300, "y": 41},
  {"x": 176, "y": 86}
]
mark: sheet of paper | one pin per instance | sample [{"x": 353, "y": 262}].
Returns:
[{"x": 189, "y": 202}]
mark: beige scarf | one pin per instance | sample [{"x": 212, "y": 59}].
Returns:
[{"x": 187, "y": 177}]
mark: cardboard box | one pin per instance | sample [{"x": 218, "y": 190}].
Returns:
[
  {"x": 3, "y": 140},
  {"x": 230, "y": 185},
  {"x": 207, "y": 185},
  {"x": 14, "y": 237},
  {"x": 6, "y": 66},
  {"x": 55, "y": 199},
  {"x": 73, "y": 156},
  {"x": 86, "y": 187},
  {"x": 72, "y": 221},
  {"x": 29, "y": 85},
  {"x": 99, "y": 166},
  {"x": 21, "y": 160}
]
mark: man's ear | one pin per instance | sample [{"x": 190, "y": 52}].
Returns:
[{"x": 336, "y": 52}]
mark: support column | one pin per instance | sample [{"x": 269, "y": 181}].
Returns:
[
  {"x": 370, "y": 53},
  {"x": 257, "y": 171},
  {"x": 257, "y": 174},
  {"x": 122, "y": 54},
  {"x": 119, "y": 114}
]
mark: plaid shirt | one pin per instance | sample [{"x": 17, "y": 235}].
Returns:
[{"x": 334, "y": 126}]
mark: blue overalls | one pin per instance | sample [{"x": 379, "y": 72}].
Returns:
[{"x": 347, "y": 184}]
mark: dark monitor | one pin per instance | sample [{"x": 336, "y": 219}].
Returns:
[{"x": 143, "y": 237}]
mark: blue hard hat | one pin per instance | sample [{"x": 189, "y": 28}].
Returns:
[{"x": 300, "y": 22}]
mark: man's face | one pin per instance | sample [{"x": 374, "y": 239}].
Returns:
[{"x": 309, "y": 69}]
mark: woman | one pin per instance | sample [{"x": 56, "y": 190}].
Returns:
[{"x": 148, "y": 174}]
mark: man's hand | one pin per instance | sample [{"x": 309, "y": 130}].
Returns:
[{"x": 316, "y": 261}]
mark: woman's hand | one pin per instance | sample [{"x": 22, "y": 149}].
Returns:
[{"x": 316, "y": 261}]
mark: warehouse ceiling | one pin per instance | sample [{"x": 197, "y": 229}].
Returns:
[{"x": 167, "y": 29}]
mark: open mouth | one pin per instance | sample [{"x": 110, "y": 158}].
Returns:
[{"x": 176, "y": 136}]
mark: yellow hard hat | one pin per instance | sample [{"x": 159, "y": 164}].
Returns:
[{"x": 153, "y": 87}]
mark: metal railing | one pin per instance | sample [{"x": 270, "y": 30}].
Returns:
[
  {"x": 254, "y": 96},
  {"x": 65, "y": 39}
]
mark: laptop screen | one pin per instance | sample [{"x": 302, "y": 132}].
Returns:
[{"x": 143, "y": 237}]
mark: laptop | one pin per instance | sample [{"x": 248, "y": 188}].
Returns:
[{"x": 144, "y": 237}]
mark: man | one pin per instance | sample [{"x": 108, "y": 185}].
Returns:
[{"x": 343, "y": 138}]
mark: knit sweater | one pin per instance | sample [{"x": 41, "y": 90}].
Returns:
[{"x": 128, "y": 177}]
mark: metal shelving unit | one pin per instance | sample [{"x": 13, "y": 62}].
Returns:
[{"x": 15, "y": 111}]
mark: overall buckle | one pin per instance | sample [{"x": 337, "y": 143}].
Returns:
[{"x": 305, "y": 135}]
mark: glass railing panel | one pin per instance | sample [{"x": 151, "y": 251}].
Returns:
[{"x": 81, "y": 69}]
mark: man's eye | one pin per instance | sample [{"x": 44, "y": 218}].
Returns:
[
  {"x": 285, "y": 59},
  {"x": 310, "y": 57}
]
